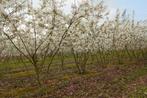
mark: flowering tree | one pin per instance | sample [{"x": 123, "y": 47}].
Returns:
[
  {"x": 35, "y": 33},
  {"x": 81, "y": 38}
]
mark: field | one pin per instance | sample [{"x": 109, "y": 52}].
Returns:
[
  {"x": 71, "y": 49},
  {"x": 127, "y": 80}
]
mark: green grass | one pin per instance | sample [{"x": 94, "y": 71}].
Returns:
[
  {"x": 20, "y": 74},
  {"x": 16, "y": 93},
  {"x": 141, "y": 92},
  {"x": 137, "y": 73},
  {"x": 14, "y": 63}
]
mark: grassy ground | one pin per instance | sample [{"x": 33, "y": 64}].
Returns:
[{"x": 113, "y": 81}]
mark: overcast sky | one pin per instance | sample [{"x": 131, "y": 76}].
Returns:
[{"x": 139, "y": 6}]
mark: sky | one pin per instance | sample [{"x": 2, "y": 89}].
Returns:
[{"x": 139, "y": 6}]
